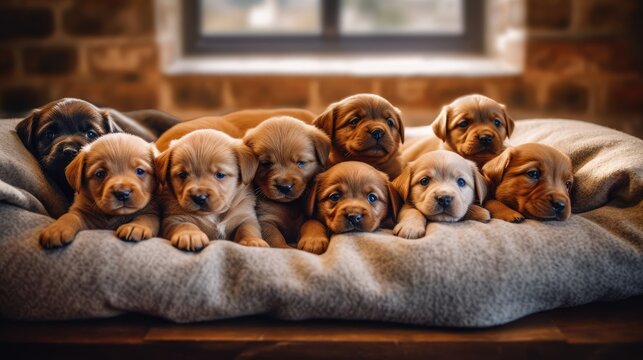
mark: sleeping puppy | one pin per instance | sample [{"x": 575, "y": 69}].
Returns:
[
  {"x": 114, "y": 181},
  {"x": 439, "y": 186},
  {"x": 290, "y": 154},
  {"x": 350, "y": 196},
  {"x": 474, "y": 126},
  {"x": 205, "y": 179},
  {"x": 367, "y": 128},
  {"x": 530, "y": 181}
]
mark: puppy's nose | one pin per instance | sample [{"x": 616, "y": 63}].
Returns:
[
  {"x": 70, "y": 151},
  {"x": 558, "y": 205},
  {"x": 485, "y": 139},
  {"x": 354, "y": 218},
  {"x": 377, "y": 134},
  {"x": 284, "y": 188},
  {"x": 200, "y": 199},
  {"x": 122, "y": 195},
  {"x": 444, "y": 200}
]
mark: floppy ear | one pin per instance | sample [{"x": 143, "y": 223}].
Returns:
[
  {"x": 439, "y": 125},
  {"x": 322, "y": 145},
  {"x": 326, "y": 121},
  {"x": 248, "y": 164},
  {"x": 395, "y": 202},
  {"x": 480, "y": 183},
  {"x": 162, "y": 167},
  {"x": 108, "y": 123},
  {"x": 74, "y": 171},
  {"x": 399, "y": 116},
  {"x": 402, "y": 183},
  {"x": 26, "y": 130},
  {"x": 311, "y": 200},
  {"x": 508, "y": 120},
  {"x": 495, "y": 168}
]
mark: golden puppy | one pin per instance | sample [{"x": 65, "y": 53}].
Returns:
[
  {"x": 439, "y": 186},
  {"x": 113, "y": 178},
  {"x": 290, "y": 154},
  {"x": 473, "y": 126},
  {"x": 205, "y": 178},
  {"x": 530, "y": 180},
  {"x": 367, "y": 128},
  {"x": 350, "y": 196},
  {"x": 234, "y": 124}
]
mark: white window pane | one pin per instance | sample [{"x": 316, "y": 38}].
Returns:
[
  {"x": 370, "y": 17},
  {"x": 260, "y": 17}
]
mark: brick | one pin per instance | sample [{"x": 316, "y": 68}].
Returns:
[
  {"x": 50, "y": 60},
  {"x": 196, "y": 92},
  {"x": 549, "y": 14},
  {"x": 333, "y": 89},
  {"x": 122, "y": 96},
  {"x": 123, "y": 62},
  {"x": 20, "y": 23},
  {"x": 270, "y": 91},
  {"x": 429, "y": 92},
  {"x": 568, "y": 97},
  {"x": 20, "y": 99},
  {"x": 7, "y": 63},
  {"x": 514, "y": 93},
  {"x": 109, "y": 18},
  {"x": 607, "y": 15},
  {"x": 625, "y": 97}
]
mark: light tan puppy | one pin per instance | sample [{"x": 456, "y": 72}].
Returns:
[
  {"x": 234, "y": 124},
  {"x": 350, "y": 196},
  {"x": 367, "y": 128},
  {"x": 205, "y": 177},
  {"x": 532, "y": 181},
  {"x": 290, "y": 153},
  {"x": 473, "y": 126},
  {"x": 439, "y": 186},
  {"x": 113, "y": 178}
]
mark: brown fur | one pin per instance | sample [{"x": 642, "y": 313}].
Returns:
[
  {"x": 96, "y": 205},
  {"x": 234, "y": 124},
  {"x": 353, "y": 181},
  {"x": 441, "y": 169},
  {"x": 516, "y": 195},
  {"x": 351, "y": 124},
  {"x": 187, "y": 170}
]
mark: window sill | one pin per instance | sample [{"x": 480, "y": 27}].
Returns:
[{"x": 407, "y": 65}]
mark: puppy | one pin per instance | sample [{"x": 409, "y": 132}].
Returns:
[
  {"x": 367, "y": 128},
  {"x": 439, "y": 186},
  {"x": 350, "y": 196},
  {"x": 530, "y": 181},
  {"x": 205, "y": 179},
  {"x": 474, "y": 126},
  {"x": 234, "y": 124},
  {"x": 290, "y": 154},
  {"x": 114, "y": 181}
]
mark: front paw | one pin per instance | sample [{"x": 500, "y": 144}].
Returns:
[
  {"x": 190, "y": 240},
  {"x": 410, "y": 229},
  {"x": 134, "y": 232},
  {"x": 313, "y": 244},
  {"x": 510, "y": 216},
  {"x": 57, "y": 235},
  {"x": 253, "y": 241}
]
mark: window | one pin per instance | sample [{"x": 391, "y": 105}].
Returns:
[{"x": 332, "y": 26}]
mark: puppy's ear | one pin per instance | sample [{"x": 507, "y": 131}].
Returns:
[
  {"x": 26, "y": 130},
  {"x": 495, "y": 168},
  {"x": 248, "y": 164},
  {"x": 402, "y": 183},
  {"x": 162, "y": 166},
  {"x": 311, "y": 200},
  {"x": 74, "y": 171},
  {"x": 480, "y": 183},
  {"x": 395, "y": 202},
  {"x": 322, "y": 145},
  {"x": 326, "y": 121},
  {"x": 440, "y": 123},
  {"x": 108, "y": 123},
  {"x": 508, "y": 120}
]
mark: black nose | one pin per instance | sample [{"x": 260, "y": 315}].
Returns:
[
  {"x": 284, "y": 188},
  {"x": 558, "y": 205},
  {"x": 200, "y": 199},
  {"x": 354, "y": 219},
  {"x": 122, "y": 195},
  {"x": 444, "y": 201},
  {"x": 70, "y": 151},
  {"x": 377, "y": 134},
  {"x": 485, "y": 139}
]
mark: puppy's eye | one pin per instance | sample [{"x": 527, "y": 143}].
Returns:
[
  {"x": 140, "y": 171},
  {"x": 568, "y": 185},
  {"x": 461, "y": 182},
  {"x": 90, "y": 134},
  {"x": 424, "y": 181},
  {"x": 390, "y": 122},
  {"x": 301, "y": 164},
  {"x": 50, "y": 134},
  {"x": 497, "y": 122},
  {"x": 183, "y": 175},
  {"x": 100, "y": 174},
  {"x": 265, "y": 163},
  {"x": 372, "y": 198},
  {"x": 464, "y": 123},
  {"x": 354, "y": 120},
  {"x": 534, "y": 174},
  {"x": 219, "y": 175},
  {"x": 334, "y": 196}
]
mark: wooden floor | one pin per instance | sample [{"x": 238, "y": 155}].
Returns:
[{"x": 598, "y": 331}]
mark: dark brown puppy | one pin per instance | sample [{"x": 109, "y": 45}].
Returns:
[
  {"x": 367, "y": 128},
  {"x": 114, "y": 182},
  {"x": 350, "y": 196},
  {"x": 530, "y": 180}
]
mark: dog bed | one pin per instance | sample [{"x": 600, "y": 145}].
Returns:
[{"x": 466, "y": 274}]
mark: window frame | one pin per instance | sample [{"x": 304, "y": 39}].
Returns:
[{"x": 329, "y": 42}]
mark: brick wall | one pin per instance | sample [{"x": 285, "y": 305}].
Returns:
[{"x": 582, "y": 61}]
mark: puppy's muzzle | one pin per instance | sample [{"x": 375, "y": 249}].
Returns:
[
  {"x": 377, "y": 134},
  {"x": 200, "y": 199},
  {"x": 284, "y": 188},
  {"x": 122, "y": 195},
  {"x": 558, "y": 205},
  {"x": 485, "y": 139},
  {"x": 444, "y": 200}
]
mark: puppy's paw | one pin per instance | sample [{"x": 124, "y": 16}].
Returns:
[
  {"x": 510, "y": 216},
  {"x": 134, "y": 232},
  {"x": 253, "y": 241},
  {"x": 478, "y": 213},
  {"x": 313, "y": 244},
  {"x": 57, "y": 235},
  {"x": 410, "y": 229},
  {"x": 191, "y": 240}
]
